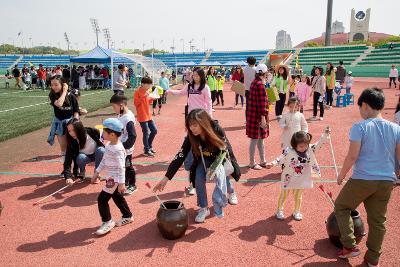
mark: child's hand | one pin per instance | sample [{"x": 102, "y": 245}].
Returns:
[
  {"x": 269, "y": 165},
  {"x": 121, "y": 188},
  {"x": 69, "y": 181}
]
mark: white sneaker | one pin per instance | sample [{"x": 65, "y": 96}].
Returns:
[
  {"x": 321, "y": 118},
  {"x": 123, "y": 221},
  {"x": 213, "y": 110},
  {"x": 255, "y": 167},
  {"x": 279, "y": 117},
  {"x": 105, "y": 227},
  {"x": 191, "y": 190},
  {"x": 233, "y": 200},
  {"x": 313, "y": 119},
  {"x": 280, "y": 215},
  {"x": 298, "y": 216},
  {"x": 201, "y": 216}
]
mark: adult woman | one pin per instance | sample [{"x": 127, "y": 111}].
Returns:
[
  {"x": 205, "y": 137},
  {"x": 65, "y": 107},
  {"x": 198, "y": 92},
  {"x": 83, "y": 146},
  {"x": 211, "y": 81},
  {"x": 281, "y": 81},
  {"x": 318, "y": 86},
  {"x": 257, "y": 116},
  {"x": 238, "y": 75},
  {"x": 330, "y": 77}
]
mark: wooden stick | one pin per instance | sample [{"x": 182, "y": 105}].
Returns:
[{"x": 52, "y": 194}]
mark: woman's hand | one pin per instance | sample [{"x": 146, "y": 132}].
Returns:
[
  {"x": 69, "y": 181},
  {"x": 65, "y": 87},
  {"x": 161, "y": 185}
]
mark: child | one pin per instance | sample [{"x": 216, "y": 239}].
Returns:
[
  {"x": 349, "y": 82},
  {"x": 160, "y": 92},
  {"x": 114, "y": 162},
  {"x": 292, "y": 85},
  {"x": 371, "y": 182},
  {"x": 303, "y": 91},
  {"x": 27, "y": 79},
  {"x": 291, "y": 122},
  {"x": 142, "y": 103},
  {"x": 298, "y": 161},
  {"x": 119, "y": 103},
  {"x": 219, "y": 86}
]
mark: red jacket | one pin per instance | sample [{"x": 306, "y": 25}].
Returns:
[{"x": 41, "y": 74}]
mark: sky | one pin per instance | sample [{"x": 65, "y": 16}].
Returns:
[{"x": 219, "y": 25}]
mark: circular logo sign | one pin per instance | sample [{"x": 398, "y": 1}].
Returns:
[{"x": 360, "y": 15}]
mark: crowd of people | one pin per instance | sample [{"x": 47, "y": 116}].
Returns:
[{"x": 207, "y": 153}]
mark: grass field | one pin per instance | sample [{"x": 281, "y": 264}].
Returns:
[{"x": 26, "y": 111}]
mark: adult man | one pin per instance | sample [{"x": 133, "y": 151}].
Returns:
[
  {"x": 66, "y": 74},
  {"x": 120, "y": 82},
  {"x": 249, "y": 74},
  {"x": 340, "y": 72},
  {"x": 373, "y": 175},
  {"x": 17, "y": 75}
]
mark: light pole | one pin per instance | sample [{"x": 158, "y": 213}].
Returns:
[
  {"x": 204, "y": 44},
  {"x": 107, "y": 36},
  {"x": 67, "y": 40},
  {"x": 328, "y": 23},
  {"x": 183, "y": 45},
  {"x": 190, "y": 45},
  {"x": 96, "y": 29}
]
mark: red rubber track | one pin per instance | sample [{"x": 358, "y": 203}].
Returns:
[{"x": 59, "y": 231}]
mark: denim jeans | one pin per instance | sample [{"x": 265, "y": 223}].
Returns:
[
  {"x": 82, "y": 160},
  {"x": 348, "y": 90},
  {"x": 201, "y": 190},
  {"x": 42, "y": 83},
  {"x": 149, "y": 131}
]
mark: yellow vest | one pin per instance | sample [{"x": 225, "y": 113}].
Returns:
[{"x": 219, "y": 84}]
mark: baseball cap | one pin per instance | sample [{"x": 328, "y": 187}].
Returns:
[
  {"x": 112, "y": 124},
  {"x": 261, "y": 68}
]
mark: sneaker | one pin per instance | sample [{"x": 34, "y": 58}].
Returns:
[
  {"x": 201, "y": 216},
  {"x": 130, "y": 189},
  {"x": 346, "y": 253},
  {"x": 370, "y": 264},
  {"x": 152, "y": 151},
  {"x": 263, "y": 165},
  {"x": 298, "y": 216},
  {"x": 313, "y": 119},
  {"x": 279, "y": 117},
  {"x": 255, "y": 167},
  {"x": 148, "y": 154},
  {"x": 213, "y": 110},
  {"x": 280, "y": 215},
  {"x": 124, "y": 221},
  {"x": 191, "y": 190},
  {"x": 233, "y": 200},
  {"x": 105, "y": 227},
  {"x": 321, "y": 118}
]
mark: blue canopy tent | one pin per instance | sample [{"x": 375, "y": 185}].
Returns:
[{"x": 103, "y": 56}]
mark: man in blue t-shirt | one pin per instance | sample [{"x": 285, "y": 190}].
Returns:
[{"x": 374, "y": 149}]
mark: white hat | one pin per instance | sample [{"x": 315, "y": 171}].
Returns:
[
  {"x": 350, "y": 72},
  {"x": 261, "y": 68}
]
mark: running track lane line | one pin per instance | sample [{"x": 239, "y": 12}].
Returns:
[
  {"x": 155, "y": 163},
  {"x": 147, "y": 178},
  {"x": 12, "y": 109}
]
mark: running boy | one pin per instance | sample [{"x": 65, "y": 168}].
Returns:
[
  {"x": 114, "y": 162},
  {"x": 119, "y": 103},
  {"x": 373, "y": 175},
  {"x": 142, "y": 103}
]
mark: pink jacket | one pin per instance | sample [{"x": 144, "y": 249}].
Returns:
[
  {"x": 303, "y": 92},
  {"x": 196, "y": 99}
]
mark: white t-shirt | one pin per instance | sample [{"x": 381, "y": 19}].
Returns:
[
  {"x": 124, "y": 119},
  {"x": 393, "y": 73},
  {"x": 249, "y": 75},
  {"x": 90, "y": 146}
]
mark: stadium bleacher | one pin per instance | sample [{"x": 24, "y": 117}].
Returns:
[
  {"x": 6, "y": 61},
  {"x": 46, "y": 60},
  {"x": 222, "y": 57}
]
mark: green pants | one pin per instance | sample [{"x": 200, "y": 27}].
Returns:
[{"x": 375, "y": 195}]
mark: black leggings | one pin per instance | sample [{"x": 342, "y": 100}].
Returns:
[
  {"x": 220, "y": 97},
  {"x": 316, "y": 103},
  {"x": 159, "y": 101},
  {"x": 392, "y": 79},
  {"x": 119, "y": 200},
  {"x": 280, "y": 104},
  {"x": 329, "y": 94},
  {"x": 213, "y": 96},
  {"x": 130, "y": 174}
]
